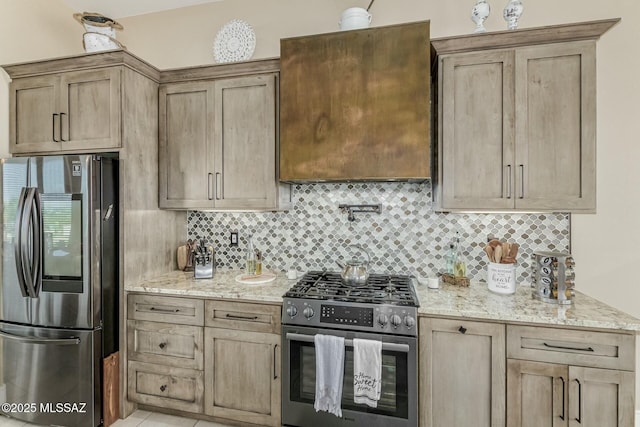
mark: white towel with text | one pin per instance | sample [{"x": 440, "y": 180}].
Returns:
[{"x": 367, "y": 371}]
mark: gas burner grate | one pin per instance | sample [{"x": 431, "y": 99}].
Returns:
[{"x": 379, "y": 289}]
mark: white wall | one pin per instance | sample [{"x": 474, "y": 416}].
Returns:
[{"x": 605, "y": 245}]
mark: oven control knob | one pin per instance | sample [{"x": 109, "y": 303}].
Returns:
[
  {"x": 409, "y": 322},
  {"x": 308, "y": 312},
  {"x": 396, "y": 320},
  {"x": 292, "y": 311},
  {"x": 383, "y": 319}
]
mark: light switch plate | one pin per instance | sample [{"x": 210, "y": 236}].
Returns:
[{"x": 234, "y": 238}]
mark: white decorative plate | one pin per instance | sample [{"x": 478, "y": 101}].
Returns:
[{"x": 235, "y": 41}]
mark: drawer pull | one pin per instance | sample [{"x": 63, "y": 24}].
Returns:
[
  {"x": 275, "y": 358},
  {"x": 563, "y": 398},
  {"x": 561, "y": 347},
  {"x": 235, "y": 317},
  {"x": 61, "y": 138},
  {"x": 53, "y": 129},
  {"x": 163, "y": 387},
  {"x": 462, "y": 330},
  {"x": 579, "y": 419},
  {"x": 162, "y": 345},
  {"x": 165, "y": 310}
]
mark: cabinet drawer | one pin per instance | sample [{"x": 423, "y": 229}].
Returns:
[
  {"x": 243, "y": 316},
  {"x": 166, "y": 344},
  {"x": 572, "y": 347},
  {"x": 183, "y": 311},
  {"x": 166, "y": 387}
]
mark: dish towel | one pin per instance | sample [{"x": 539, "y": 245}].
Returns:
[
  {"x": 367, "y": 371},
  {"x": 329, "y": 373}
]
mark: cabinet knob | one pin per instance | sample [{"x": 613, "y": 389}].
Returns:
[
  {"x": 163, "y": 387},
  {"x": 162, "y": 345},
  {"x": 462, "y": 330}
]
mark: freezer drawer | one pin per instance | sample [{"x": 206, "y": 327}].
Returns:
[{"x": 50, "y": 376}]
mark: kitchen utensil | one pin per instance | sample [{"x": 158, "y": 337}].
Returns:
[
  {"x": 182, "y": 257},
  {"x": 513, "y": 252},
  {"x": 355, "y": 272},
  {"x": 489, "y": 251},
  {"x": 204, "y": 261},
  {"x": 553, "y": 277},
  {"x": 497, "y": 254}
]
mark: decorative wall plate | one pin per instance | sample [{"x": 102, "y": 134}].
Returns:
[{"x": 235, "y": 41}]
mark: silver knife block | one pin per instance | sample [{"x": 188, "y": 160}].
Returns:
[{"x": 205, "y": 264}]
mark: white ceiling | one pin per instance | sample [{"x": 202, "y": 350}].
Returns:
[{"x": 116, "y": 9}]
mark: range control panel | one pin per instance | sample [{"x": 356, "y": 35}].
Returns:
[
  {"x": 384, "y": 318},
  {"x": 346, "y": 315}
]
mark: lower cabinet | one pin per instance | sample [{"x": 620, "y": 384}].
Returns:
[
  {"x": 242, "y": 376},
  {"x": 462, "y": 373},
  {"x": 215, "y": 358},
  {"x": 575, "y": 378},
  {"x": 553, "y": 395}
]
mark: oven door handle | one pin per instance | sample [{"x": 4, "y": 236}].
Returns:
[{"x": 401, "y": 348}]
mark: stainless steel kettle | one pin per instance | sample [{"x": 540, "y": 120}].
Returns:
[{"x": 356, "y": 271}]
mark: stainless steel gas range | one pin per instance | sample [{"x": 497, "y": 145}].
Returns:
[{"x": 385, "y": 309}]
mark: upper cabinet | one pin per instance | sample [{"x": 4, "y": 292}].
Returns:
[
  {"x": 71, "y": 104},
  {"x": 517, "y": 119},
  {"x": 218, "y": 139},
  {"x": 355, "y": 105}
]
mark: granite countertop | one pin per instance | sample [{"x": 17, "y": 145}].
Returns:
[
  {"x": 477, "y": 302},
  {"x": 474, "y": 302},
  {"x": 223, "y": 285}
]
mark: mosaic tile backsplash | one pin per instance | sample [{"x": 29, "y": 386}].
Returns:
[{"x": 408, "y": 237}]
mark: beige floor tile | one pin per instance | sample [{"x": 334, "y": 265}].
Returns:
[{"x": 162, "y": 420}]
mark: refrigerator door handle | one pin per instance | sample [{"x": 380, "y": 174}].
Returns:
[
  {"x": 31, "y": 265},
  {"x": 18, "y": 246},
  {"x": 36, "y": 264},
  {"x": 50, "y": 341}
]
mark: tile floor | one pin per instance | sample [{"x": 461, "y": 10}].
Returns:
[{"x": 137, "y": 419}]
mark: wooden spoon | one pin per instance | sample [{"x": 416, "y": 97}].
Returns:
[
  {"x": 497, "y": 254},
  {"x": 489, "y": 251},
  {"x": 494, "y": 243},
  {"x": 506, "y": 247},
  {"x": 513, "y": 252}
]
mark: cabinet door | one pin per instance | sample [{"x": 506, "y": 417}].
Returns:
[
  {"x": 186, "y": 117},
  {"x": 537, "y": 394},
  {"x": 245, "y": 141},
  {"x": 556, "y": 126},
  {"x": 462, "y": 373},
  {"x": 90, "y": 109},
  {"x": 242, "y": 376},
  {"x": 34, "y": 114},
  {"x": 601, "y": 397},
  {"x": 477, "y": 130}
]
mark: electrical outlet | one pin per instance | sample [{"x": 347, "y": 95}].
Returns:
[{"x": 234, "y": 238}]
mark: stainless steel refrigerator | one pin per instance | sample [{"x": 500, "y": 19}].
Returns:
[{"x": 58, "y": 295}]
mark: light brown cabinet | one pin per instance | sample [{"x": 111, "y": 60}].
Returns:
[
  {"x": 242, "y": 362},
  {"x": 165, "y": 350},
  {"x": 68, "y": 111},
  {"x": 516, "y": 120},
  {"x": 462, "y": 373},
  {"x": 214, "y": 358},
  {"x": 591, "y": 382},
  {"x": 218, "y": 144}
]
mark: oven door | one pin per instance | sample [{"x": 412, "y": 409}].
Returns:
[{"x": 397, "y": 406}]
